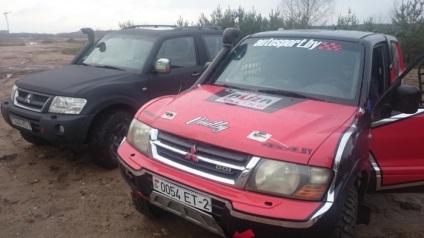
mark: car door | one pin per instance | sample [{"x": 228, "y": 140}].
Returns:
[
  {"x": 397, "y": 154},
  {"x": 182, "y": 53}
]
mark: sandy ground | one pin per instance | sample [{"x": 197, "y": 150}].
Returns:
[{"x": 54, "y": 192}]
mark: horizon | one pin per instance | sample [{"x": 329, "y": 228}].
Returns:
[{"x": 47, "y": 17}]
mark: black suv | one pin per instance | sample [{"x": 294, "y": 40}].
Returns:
[{"x": 92, "y": 101}]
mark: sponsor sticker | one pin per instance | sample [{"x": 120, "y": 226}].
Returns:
[
  {"x": 169, "y": 115},
  {"x": 308, "y": 44},
  {"x": 216, "y": 126},
  {"x": 260, "y": 136},
  {"x": 250, "y": 100}
]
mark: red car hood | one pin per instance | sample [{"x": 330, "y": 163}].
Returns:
[{"x": 264, "y": 125}]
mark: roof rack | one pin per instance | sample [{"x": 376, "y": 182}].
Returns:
[
  {"x": 174, "y": 27},
  {"x": 150, "y": 26},
  {"x": 199, "y": 28}
]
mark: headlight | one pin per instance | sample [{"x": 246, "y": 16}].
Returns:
[
  {"x": 67, "y": 105},
  {"x": 139, "y": 137},
  {"x": 289, "y": 180},
  {"x": 12, "y": 93}
]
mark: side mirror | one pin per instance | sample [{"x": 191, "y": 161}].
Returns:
[
  {"x": 163, "y": 65},
  {"x": 101, "y": 46},
  {"x": 404, "y": 99},
  {"x": 407, "y": 99}
]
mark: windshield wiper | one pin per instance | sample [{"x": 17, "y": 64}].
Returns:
[
  {"x": 290, "y": 94},
  {"x": 108, "y": 67},
  {"x": 232, "y": 86}
]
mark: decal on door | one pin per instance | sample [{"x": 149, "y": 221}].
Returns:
[
  {"x": 216, "y": 126},
  {"x": 395, "y": 118}
]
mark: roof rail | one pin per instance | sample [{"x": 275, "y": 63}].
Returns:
[
  {"x": 199, "y": 28},
  {"x": 150, "y": 26}
]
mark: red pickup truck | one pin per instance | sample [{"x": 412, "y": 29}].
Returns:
[{"x": 282, "y": 135}]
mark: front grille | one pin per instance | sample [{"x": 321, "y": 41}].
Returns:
[
  {"x": 31, "y": 100},
  {"x": 201, "y": 157}
]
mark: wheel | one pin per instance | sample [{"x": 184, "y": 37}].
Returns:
[
  {"x": 146, "y": 208},
  {"x": 106, "y": 135},
  {"x": 346, "y": 224},
  {"x": 38, "y": 141}
]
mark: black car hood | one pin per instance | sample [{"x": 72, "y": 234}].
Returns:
[{"x": 69, "y": 80}]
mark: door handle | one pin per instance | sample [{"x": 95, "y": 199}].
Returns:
[{"x": 194, "y": 74}]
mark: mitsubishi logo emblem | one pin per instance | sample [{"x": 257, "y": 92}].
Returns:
[
  {"x": 28, "y": 98},
  {"x": 191, "y": 155}
]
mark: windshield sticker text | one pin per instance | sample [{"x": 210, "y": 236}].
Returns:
[
  {"x": 251, "y": 100},
  {"x": 294, "y": 149},
  {"x": 216, "y": 126},
  {"x": 305, "y": 43}
]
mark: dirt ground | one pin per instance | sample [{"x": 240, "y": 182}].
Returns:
[{"x": 54, "y": 192}]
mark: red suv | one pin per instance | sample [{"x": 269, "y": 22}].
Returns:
[{"x": 282, "y": 134}]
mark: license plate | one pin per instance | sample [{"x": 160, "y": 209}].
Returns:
[
  {"x": 183, "y": 195},
  {"x": 21, "y": 123}
]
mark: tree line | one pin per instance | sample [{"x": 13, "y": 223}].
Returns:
[{"x": 407, "y": 21}]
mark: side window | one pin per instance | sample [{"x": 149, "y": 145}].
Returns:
[
  {"x": 396, "y": 60},
  {"x": 180, "y": 52},
  {"x": 213, "y": 45},
  {"x": 379, "y": 74}
]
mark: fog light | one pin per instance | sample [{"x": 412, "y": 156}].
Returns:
[{"x": 60, "y": 130}]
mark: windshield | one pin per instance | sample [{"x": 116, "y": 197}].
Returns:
[
  {"x": 126, "y": 52},
  {"x": 319, "y": 69}
]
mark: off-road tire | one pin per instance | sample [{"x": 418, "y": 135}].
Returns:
[
  {"x": 37, "y": 141},
  {"x": 346, "y": 224},
  {"x": 146, "y": 208},
  {"x": 105, "y": 136}
]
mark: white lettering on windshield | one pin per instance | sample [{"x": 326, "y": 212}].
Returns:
[{"x": 305, "y": 43}]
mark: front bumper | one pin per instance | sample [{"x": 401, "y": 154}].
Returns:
[
  {"x": 234, "y": 211},
  {"x": 46, "y": 125}
]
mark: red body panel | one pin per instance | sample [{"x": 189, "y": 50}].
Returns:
[
  {"x": 302, "y": 127},
  {"x": 244, "y": 201},
  {"x": 398, "y": 150}
]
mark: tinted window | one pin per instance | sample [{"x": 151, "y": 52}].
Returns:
[
  {"x": 327, "y": 69},
  {"x": 123, "y": 51},
  {"x": 213, "y": 45},
  {"x": 180, "y": 52}
]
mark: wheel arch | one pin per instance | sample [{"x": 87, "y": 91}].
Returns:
[{"x": 107, "y": 110}]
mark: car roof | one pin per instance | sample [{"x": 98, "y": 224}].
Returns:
[
  {"x": 353, "y": 36},
  {"x": 167, "y": 30}
]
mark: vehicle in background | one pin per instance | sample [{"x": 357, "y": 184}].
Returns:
[{"x": 92, "y": 101}]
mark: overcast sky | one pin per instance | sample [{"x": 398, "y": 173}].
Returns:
[{"x": 56, "y": 16}]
